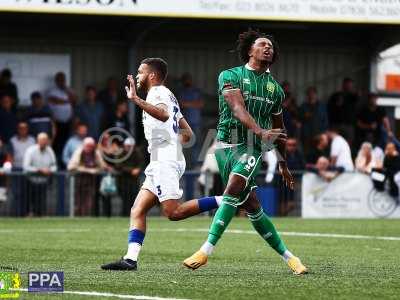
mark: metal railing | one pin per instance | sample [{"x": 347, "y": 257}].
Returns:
[{"x": 78, "y": 194}]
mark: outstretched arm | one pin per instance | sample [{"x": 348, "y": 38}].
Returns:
[{"x": 159, "y": 111}]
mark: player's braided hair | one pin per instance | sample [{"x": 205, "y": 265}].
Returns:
[{"x": 247, "y": 39}]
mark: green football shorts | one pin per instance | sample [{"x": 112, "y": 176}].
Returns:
[{"x": 241, "y": 161}]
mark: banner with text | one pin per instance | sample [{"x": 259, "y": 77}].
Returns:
[
  {"x": 347, "y": 11},
  {"x": 350, "y": 195}
]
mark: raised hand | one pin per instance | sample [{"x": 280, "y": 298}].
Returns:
[{"x": 131, "y": 90}]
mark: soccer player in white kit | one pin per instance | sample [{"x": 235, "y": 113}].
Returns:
[{"x": 165, "y": 130}]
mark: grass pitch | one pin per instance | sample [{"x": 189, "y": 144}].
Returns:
[{"x": 242, "y": 267}]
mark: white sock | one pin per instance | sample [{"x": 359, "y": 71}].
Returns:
[
  {"x": 207, "y": 248},
  {"x": 286, "y": 255},
  {"x": 219, "y": 200},
  {"x": 133, "y": 251}
]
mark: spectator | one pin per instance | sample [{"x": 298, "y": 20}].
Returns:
[
  {"x": 291, "y": 116},
  {"x": 371, "y": 119},
  {"x": 313, "y": 118},
  {"x": 128, "y": 164},
  {"x": 295, "y": 162},
  {"x": 8, "y": 119},
  {"x": 87, "y": 162},
  {"x": 320, "y": 148},
  {"x": 5, "y": 166},
  {"x": 119, "y": 117},
  {"x": 340, "y": 151},
  {"x": 61, "y": 99},
  {"x": 39, "y": 116},
  {"x": 110, "y": 95},
  {"x": 191, "y": 101},
  {"x": 74, "y": 142},
  {"x": 341, "y": 106},
  {"x": 325, "y": 170},
  {"x": 365, "y": 160},
  {"x": 20, "y": 143},
  {"x": 391, "y": 165},
  {"x": 39, "y": 162},
  {"x": 90, "y": 112},
  {"x": 7, "y": 87},
  {"x": 210, "y": 179}
]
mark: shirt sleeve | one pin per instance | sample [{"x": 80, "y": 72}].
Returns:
[
  {"x": 227, "y": 81},
  {"x": 277, "y": 108},
  {"x": 335, "y": 148}
]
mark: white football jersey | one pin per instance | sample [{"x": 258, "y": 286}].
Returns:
[{"x": 163, "y": 137}]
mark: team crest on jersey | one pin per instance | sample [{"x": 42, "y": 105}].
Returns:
[{"x": 270, "y": 87}]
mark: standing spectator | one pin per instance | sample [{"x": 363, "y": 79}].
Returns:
[
  {"x": 19, "y": 145},
  {"x": 191, "y": 101},
  {"x": 313, "y": 118},
  {"x": 8, "y": 119},
  {"x": 295, "y": 162},
  {"x": 129, "y": 164},
  {"x": 110, "y": 95},
  {"x": 5, "y": 166},
  {"x": 341, "y": 106},
  {"x": 391, "y": 165},
  {"x": 119, "y": 117},
  {"x": 39, "y": 116},
  {"x": 291, "y": 116},
  {"x": 87, "y": 162},
  {"x": 40, "y": 163},
  {"x": 74, "y": 142},
  {"x": 340, "y": 151},
  {"x": 7, "y": 87},
  {"x": 61, "y": 99},
  {"x": 90, "y": 112},
  {"x": 371, "y": 120},
  {"x": 319, "y": 148}
]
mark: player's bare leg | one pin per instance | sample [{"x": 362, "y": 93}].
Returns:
[
  {"x": 145, "y": 200},
  {"x": 175, "y": 210}
]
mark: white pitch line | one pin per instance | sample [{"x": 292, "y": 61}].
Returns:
[
  {"x": 49, "y": 230},
  {"x": 99, "y": 294},
  {"x": 290, "y": 233}
]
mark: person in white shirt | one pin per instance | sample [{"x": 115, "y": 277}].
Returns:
[
  {"x": 20, "y": 143},
  {"x": 40, "y": 162},
  {"x": 340, "y": 155},
  {"x": 165, "y": 129}
]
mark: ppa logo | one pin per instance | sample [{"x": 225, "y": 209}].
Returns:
[{"x": 46, "y": 282}]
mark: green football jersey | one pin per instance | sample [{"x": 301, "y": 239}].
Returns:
[{"x": 262, "y": 95}]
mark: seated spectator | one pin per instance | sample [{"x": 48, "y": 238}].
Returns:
[
  {"x": 129, "y": 165},
  {"x": 324, "y": 169},
  {"x": 340, "y": 155},
  {"x": 341, "y": 106},
  {"x": 391, "y": 165},
  {"x": 61, "y": 99},
  {"x": 40, "y": 163},
  {"x": 365, "y": 160},
  {"x": 7, "y": 87},
  {"x": 74, "y": 142},
  {"x": 119, "y": 117},
  {"x": 8, "y": 119},
  {"x": 371, "y": 119},
  {"x": 5, "y": 166},
  {"x": 320, "y": 148},
  {"x": 91, "y": 113},
  {"x": 39, "y": 116},
  {"x": 87, "y": 162},
  {"x": 313, "y": 118}
]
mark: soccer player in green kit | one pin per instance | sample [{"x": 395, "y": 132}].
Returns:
[{"x": 250, "y": 122}]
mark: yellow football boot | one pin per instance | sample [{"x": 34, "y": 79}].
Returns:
[
  {"x": 196, "y": 260},
  {"x": 296, "y": 266}
]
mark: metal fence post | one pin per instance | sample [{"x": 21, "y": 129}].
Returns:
[{"x": 71, "y": 195}]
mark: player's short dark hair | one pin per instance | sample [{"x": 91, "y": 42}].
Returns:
[
  {"x": 158, "y": 65},
  {"x": 246, "y": 40}
]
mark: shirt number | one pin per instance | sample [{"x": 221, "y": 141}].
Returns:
[{"x": 175, "y": 126}]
